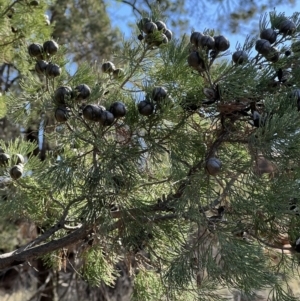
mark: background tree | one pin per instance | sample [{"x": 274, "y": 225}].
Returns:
[
  {"x": 235, "y": 16},
  {"x": 85, "y": 28}
]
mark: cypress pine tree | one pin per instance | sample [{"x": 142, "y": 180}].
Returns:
[
  {"x": 85, "y": 28},
  {"x": 174, "y": 160}
]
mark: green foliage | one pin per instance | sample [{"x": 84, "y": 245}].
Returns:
[
  {"x": 20, "y": 23},
  {"x": 31, "y": 203},
  {"x": 2, "y": 106},
  {"x": 97, "y": 267},
  {"x": 142, "y": 185},
  {"x": 7, "y": 238},
  {"x": 147, "y": 286}
]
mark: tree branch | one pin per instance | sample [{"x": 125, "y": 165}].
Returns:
[
  {"x": 9, "y": 7},
  {"x": 134, "y": 8},
  {"x": 18, "y": 257}
]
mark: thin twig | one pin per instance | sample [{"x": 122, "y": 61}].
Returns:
[
  {"x": 134, "y": 8},
  {"x": 135, "y": 67},
  {"x": 10, "y": 7}
]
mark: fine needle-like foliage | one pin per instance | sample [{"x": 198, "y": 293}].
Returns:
[
  {"x": 20, "y": 22},
  {"x": 172, "y": 159}
]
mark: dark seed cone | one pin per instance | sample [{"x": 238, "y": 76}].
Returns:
[
  {"x": 40, "y": 67},
  {"x": 240, "y": 57},
  {"x": 50, "y": 47},
  {"x": 62, "y": 94},
  {"x": 213, "y": 166},
  {"x": 108, "y": 67},
  {"x": 35, "y": 50},
  {"x": 82, "y": 91},
  {"x": 118, "y": 109},
  {"x": 61, "y": 114},
  {"x": 4, "y": 159},
  {"x": 159, "y": 93},
  {"x": 107, "y": 118},
  {"x": 161, "y": 26},
  {"x": 207, "y": 42},
  {"x": 16, "y": 171},
  {"x": 145, "y": 108},
  {"x": 195, "y": 38},
  {"x": 287, "y": 27},
  {"x": 195, "y": 61},
  {"x": 221, "y": 43},
  {"x": 269, "y": 34},
  {"x": 53, "y": 70},
  {"x": 168, "y": 33},
  {"x": 93, "y": 112},
  {"x": 263, "y": 47},
  {"x": 149, "y": 27}
]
